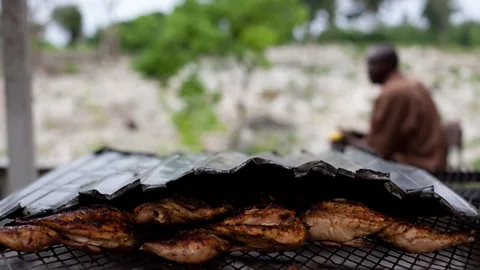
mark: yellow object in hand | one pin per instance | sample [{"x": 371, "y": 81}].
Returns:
[{"x": 335, "y": 136}]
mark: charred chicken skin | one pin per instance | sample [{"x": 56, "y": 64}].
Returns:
[
  {"x": 413, "y": 238},
  {"x": 177, "y": 211},
  {"x": 339, "y": 222},
  {"x": 192, "y": 247},
  {"x": 28, "y": 238},
  {"x": 101, "y": 228},
  {"x": 93, "y": 228},
  {"x": 268, "y": 229}
]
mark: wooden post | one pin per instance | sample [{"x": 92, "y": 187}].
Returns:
[{"x": 17, "y": 76}]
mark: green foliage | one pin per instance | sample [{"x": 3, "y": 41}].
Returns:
[
  {"x": 243, "y": 29},
  {"x": 197, "y": 116},
  {"x": 266, "y": 142},
  {"x": 464, "y": 35},
  {"x": 259, "y": 37},
  {"x": 476, "y": 164},
  {"x": 135, "y": 35},
  {"x": 140, "y": 33},
  {"x": 329, "y": 6},
  {"x": 282, "y": 17},
  {"x": 181, "y": 41},
  {"x": 71, "y": 68},
  {"x": 95, "y": 39},
  {"x": 220, "y": 27},
  {"x": 42, "y": 45},
  {"x": 96, "y": 145},
  {"x": 362, "y": 7},
  {"x": 70, "y": 18},
  {"x": 352, "y": 36},
  {"x": 437, "y": 13}
]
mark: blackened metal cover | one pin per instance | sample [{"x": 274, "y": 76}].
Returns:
[{"x": 108, "y": 174}]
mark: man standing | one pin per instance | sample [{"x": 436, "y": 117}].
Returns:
[{"x": 405, "y": 125}]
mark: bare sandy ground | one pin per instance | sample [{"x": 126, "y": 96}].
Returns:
[{"x": 308, "y": 92}]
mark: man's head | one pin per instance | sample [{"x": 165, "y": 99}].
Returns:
[{"x": 382, "y": 60}]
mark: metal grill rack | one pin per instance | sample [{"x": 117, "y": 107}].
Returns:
[
  {"x": 467, "y": 184},
  {"x": 311, "y": 256}
]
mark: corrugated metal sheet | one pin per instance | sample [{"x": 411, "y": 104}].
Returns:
[{"x": 108, "y": 174}]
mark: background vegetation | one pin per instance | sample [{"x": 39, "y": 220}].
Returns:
[{"x": 163, "y": 44}]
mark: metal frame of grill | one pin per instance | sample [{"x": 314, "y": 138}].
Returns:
[{"x": 466, "y": 183}]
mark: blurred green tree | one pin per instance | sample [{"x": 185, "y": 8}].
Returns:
[
  {"x": 250, "y": 31},
  {"x": 314, "y": 6},
  {"x": 437, "y": 13},
  {"x": 70, "y": 19},
  {"x": 367, "y": 7},
  {"x": 221, "y": 28},
  {"x": 135, "y": 35},
  {"x": 181, "y": 41},
  {"x": 466, "y": 34},
  {"x": 140, "y": 33}
]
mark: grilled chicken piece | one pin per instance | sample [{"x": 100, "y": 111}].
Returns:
[
  {"x": 94, "y": 228},
  {"x": 419, "y": 238},
  {"x": 268, "y": 229},
  {"x": 28, "y": 238},
  {"x": 177, "y": 211},
  {"x": 359, "y": 242},
  {"x": 339, "y": 222},
  {"x": 192, "y": 247}
]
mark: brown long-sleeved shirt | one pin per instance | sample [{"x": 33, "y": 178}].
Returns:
[{"x": 406, "y": 126}]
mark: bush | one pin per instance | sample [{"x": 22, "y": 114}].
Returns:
[
  {"x": 219, "y": 28},
  {"x": 140, "y": 33},
  {"x": 404, "y": 35},
  {"x": 135, "y": 35},
  {"x": 465, "y": 35},
  {"x": 69, "y": 18}
]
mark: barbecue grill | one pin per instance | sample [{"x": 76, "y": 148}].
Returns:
[{"x": 310, "y": 256}]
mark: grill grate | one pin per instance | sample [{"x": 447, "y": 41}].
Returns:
[
  {"x": 466, "y": 184},
  {"x": 311, "y": 256}
]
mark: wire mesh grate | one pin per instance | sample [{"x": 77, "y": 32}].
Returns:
[
  {"x": 310, "y": 256},
  {"x": 466, "y": 184}
]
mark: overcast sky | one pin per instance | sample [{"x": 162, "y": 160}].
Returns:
[{"x": 95, "y": 12}]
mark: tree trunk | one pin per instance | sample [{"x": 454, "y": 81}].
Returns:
[{"x": 17, "y": 76}]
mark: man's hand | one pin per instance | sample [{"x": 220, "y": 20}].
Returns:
[
  {"x": 355, "y": 138},
  {"x": 350, "y": 136}
]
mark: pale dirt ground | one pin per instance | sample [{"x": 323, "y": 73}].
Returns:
[{"x": 307, "y": 93}]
